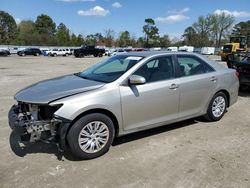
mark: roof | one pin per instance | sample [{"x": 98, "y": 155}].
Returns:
[{"x": 150, "y": 53}]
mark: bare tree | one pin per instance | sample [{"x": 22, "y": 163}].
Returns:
[{"x": 221, "y": 24}]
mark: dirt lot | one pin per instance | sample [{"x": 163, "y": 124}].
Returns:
[{"x": 192, "y": 153}]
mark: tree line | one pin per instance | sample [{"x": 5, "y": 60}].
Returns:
[{"x": 210, "y": 30}]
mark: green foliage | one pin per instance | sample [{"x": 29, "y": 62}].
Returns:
[
  {"x": 124, "y": 39},
  {"x": 242, "y": 28},
  {"x": 220, "y": 26},
  {"x": 90, "y": 40},
  {"x": 190, "y": 37},
  {"x": 62, "y": 35},
  {"x": 202, "y": 27},
  {"x": 45, "y": 25},
  {"x": 109, "y": 37},
  {"x": 209, "y": 30},
  {"x": 27, "y": 33},
  {"x": 164, "y": 41},
  {"x": 151, "y": 32},
  {"x": 8, "y": 28},
  {"x": 46, "y": 29}
]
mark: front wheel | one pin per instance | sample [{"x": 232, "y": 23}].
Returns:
[
  {"x": 217, "y": 107},
  {"x": 91, "y": 136}
]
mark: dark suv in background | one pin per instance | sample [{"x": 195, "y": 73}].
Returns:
[
  {"x": 89, "y": 50},
  {"x": 30, "y": 51},
  {"x": 4, "y": 52}
]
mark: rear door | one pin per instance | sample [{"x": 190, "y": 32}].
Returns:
[
  {"x": 197, "y": 82},
  {"x": 154, "y": 102}
]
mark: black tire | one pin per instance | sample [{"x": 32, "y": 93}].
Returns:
[
  {"x": 95, "y": 55},
  {"x": 37, "y": 54},
  {"x": 81, "y": 55},
  {"x": 80, "y": 124},
  {"x": 66, "y": 54},
  {"x": 210, "y": 115},
  {"x": 100, "y": 55},
  {"x": 54, "y": 55}
]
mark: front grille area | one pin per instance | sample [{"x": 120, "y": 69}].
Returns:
[{"x": 43, "y": 112}]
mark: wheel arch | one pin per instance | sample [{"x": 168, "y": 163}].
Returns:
[
  {"x": 102, "y": 111},
  {"x": 227, "y": 95}
]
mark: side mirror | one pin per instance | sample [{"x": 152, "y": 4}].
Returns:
[{"x": 136, "y": 80}]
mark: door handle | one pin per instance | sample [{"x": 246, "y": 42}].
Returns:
[
  {"x": 213, "y": 79},
  {"x": 173, "y": 86}
]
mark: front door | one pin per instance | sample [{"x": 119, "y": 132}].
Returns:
[{"x": 154, "y": 102}]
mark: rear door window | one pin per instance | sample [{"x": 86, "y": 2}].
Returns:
[{"x": 191, "y": 65}]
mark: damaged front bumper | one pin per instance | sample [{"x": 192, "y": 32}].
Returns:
[{"x": 30, "y": 128}]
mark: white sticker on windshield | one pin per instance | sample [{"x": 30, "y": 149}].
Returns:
[{"x": 137, "y": 58}]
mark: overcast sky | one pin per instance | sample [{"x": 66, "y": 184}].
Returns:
[{"x": 91, "y": 16}]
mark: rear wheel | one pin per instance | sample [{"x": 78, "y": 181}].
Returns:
[
  {"x": 91, "y": 136},
  {"x": 81, "y": 55},
  {"x": 54, "y": 55},
  {"x": 217, "y": 107}
]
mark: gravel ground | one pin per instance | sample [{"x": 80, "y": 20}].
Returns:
[{"x": 192, "y": 153}]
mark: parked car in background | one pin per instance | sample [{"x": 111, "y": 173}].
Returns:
[
  {"x": 240, "y": 61},
  {"x": 118, "y": 52},
  {"x": 121, "y": 95},
  {"x": 89, "y": 50},
  {"x": 71, "y": 51},
  {"x": 14, "y": 50},
  {"x": 4, "y": 52},
  {"x": 172, "y": 49},
  {"x": 139, "y": 49},
  {"x": 59, "y": 52},
  {"x": 109, "y": 52},
  {"x": 30, "y": 51}
]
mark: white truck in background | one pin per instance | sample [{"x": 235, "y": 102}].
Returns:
[
  {"x": 186, "y": 49},
  {"x": 59, "y": 52},
  {"x": 172, "y": 49},
  {"x": 208, "y": 50}
]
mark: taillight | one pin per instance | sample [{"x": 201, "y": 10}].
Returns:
[{"x": 237, "y": 74}]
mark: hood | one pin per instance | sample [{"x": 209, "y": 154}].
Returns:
[{"x": 49, "y": 90}]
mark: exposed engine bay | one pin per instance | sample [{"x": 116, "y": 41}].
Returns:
[{"x": 35, "y": 122}]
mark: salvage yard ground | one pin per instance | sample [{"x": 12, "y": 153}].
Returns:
[{"x": 192, "y": 153}]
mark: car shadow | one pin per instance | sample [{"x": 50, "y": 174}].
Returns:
[
  {"x": 22, "y": 149},
  {"x": 155, "y": 131}
]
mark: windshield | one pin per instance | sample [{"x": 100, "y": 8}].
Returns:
[{"x": 110, "y": 69}]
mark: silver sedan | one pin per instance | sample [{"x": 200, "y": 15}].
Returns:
[{"x": 123, "y": 94}]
